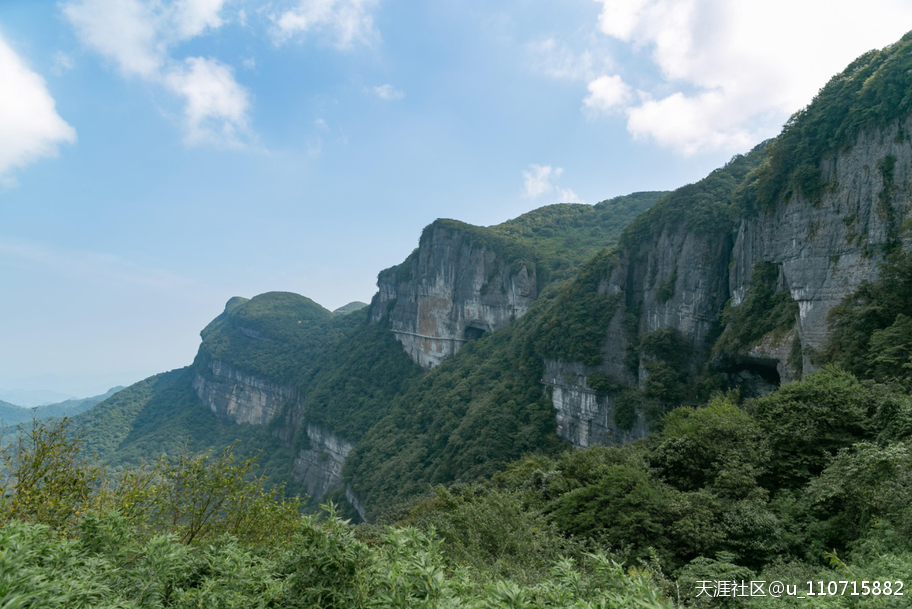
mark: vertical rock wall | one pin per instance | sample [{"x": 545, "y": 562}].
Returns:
[
  {"x": 827, "y": 249},
  {"x": 682, "y": 279},
  {"x": 452, "y": 289},
  {"x": 239, "y": 397},
  {"x": 319, "y": 468}
]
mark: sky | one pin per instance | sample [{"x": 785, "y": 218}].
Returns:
[{"x": 158, "y": 157}]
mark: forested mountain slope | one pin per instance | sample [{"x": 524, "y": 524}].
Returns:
[
  {"x": 11, "y": 414},
  {"x": 285, "y": 376},
  {"x": 536, "y": 335}
]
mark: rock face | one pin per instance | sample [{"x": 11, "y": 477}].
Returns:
[
  {"x": 243, "y": 398},
  {"x": 682, "y": 279},
  {"x": 585, "y": 417},
  {"x": 240, "y": 397},
  {"x": 319, "y": 468},
  {"x": 455, "y": 287},
  {"x": 827, "y": 250}
]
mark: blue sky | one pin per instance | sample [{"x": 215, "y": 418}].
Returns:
[{"x": 160, "y": 156}]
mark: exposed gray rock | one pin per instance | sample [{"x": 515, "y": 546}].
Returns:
[
  {"x": 682, "y": 279},
  {"x": 679, "y": 280},
  {"x": 451, "y": 290},
  {"x": 585, "y": 417},
  {"x": 240, "y": 397},
  {"x": 827, "y": 250},
  {"x": 355, "y": 502},
  {"x": 319, "y": 468}
]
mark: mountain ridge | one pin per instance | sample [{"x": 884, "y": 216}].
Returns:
[{"x": 488, "y": 343}]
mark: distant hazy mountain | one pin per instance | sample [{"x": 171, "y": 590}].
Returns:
[
  {"x": 350, "y": 308},
  {"x": 11, "y": 414},
  {"x": 33, "y": 397}
]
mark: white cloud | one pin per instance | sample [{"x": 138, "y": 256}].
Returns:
[
  {"x": 692, "y": 124},
  {"x": 139, "y": 37},
  {"x": 388, "y": 93},
  {"x": 607, "y": 93},
  {"x": 216, "y": 105},
  {"x": 732, "y": 72},
  {"x": 538, "y": 182},
  {"x": 538, "y": 179},
  {"x": 30, "y": 128},
  {"x": 346, "y": 22},
  {"x": 193, "y": 17},
  {"x": 126, "y": 31},
  {"x": 556, "y": 60},
  {"x": 566, "y": 195}
]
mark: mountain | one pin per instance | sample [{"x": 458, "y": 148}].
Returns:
[
  {"x": 350, "y": 308},
  {"x": 35, "y": 397},
  {"x": 730, "y": 281},
  {"x": 281, "y": 366},
  {"x": 11, "y": 414},
  {"x": 571, "y": 325}
]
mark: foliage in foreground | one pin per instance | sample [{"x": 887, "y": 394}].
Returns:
[
  {"x": 323, "y": 565},
  {"x": 198, "y": 531},
  {"x": 812, "y": 482}
]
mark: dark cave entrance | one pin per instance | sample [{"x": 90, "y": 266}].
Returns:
[
  {"x": 473, "y": 333},
  {"x": 753, "y": 376}
]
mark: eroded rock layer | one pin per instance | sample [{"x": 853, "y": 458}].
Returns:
[
  {"x": 454, "y": 288},
  {"x": 681, "y": 278}
]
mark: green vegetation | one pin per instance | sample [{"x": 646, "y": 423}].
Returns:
[
  {"x": 673, "y": 378},
  {"x": 667, "y": 357},
  {"x": 810, "y": 482},
  {"x": 817, "y": 470},
  {"x": 484, "y": 408},
  {"x": 359, "y": 374},
  {"x": 706, "y": 207},
  {"x": 350, "y": 308},
  {"x": 565, "y": 236},
  {"x": 871, "y": 332},
  {"x": 163, "y": 416},
  {"x": 459, "y": 422},
  {"x": 11, "y": 415},
  {"x": 513, "y": 251},
  {"x": 764, "y": 312},
  {"x": 573, "y": 327},
  {"x": 197, "y": 531},
  {"x": 873, "y": 92},
  {"x": 277, "y": 335}
]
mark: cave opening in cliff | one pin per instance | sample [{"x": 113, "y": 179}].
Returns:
[
  {"x": 754, "y": 377},
  {"x": 472, "y": 333}
]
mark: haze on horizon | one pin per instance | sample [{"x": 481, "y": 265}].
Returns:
[{"x": 160, "y": 157}]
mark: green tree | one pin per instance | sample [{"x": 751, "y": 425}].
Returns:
[
  {"x": 807, "y": 423},
  {"x": 44, "y": 477}
]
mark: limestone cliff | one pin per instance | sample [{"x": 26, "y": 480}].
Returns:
[
  {"x": 826, "y": 249},
  {"x": 461, "y": 282},
  {"x": 585, "y": 417},
  {"x": 240, "y": 397},
  {"x": 319, "y": 468},
  {"x": 678, "y": 276}
]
